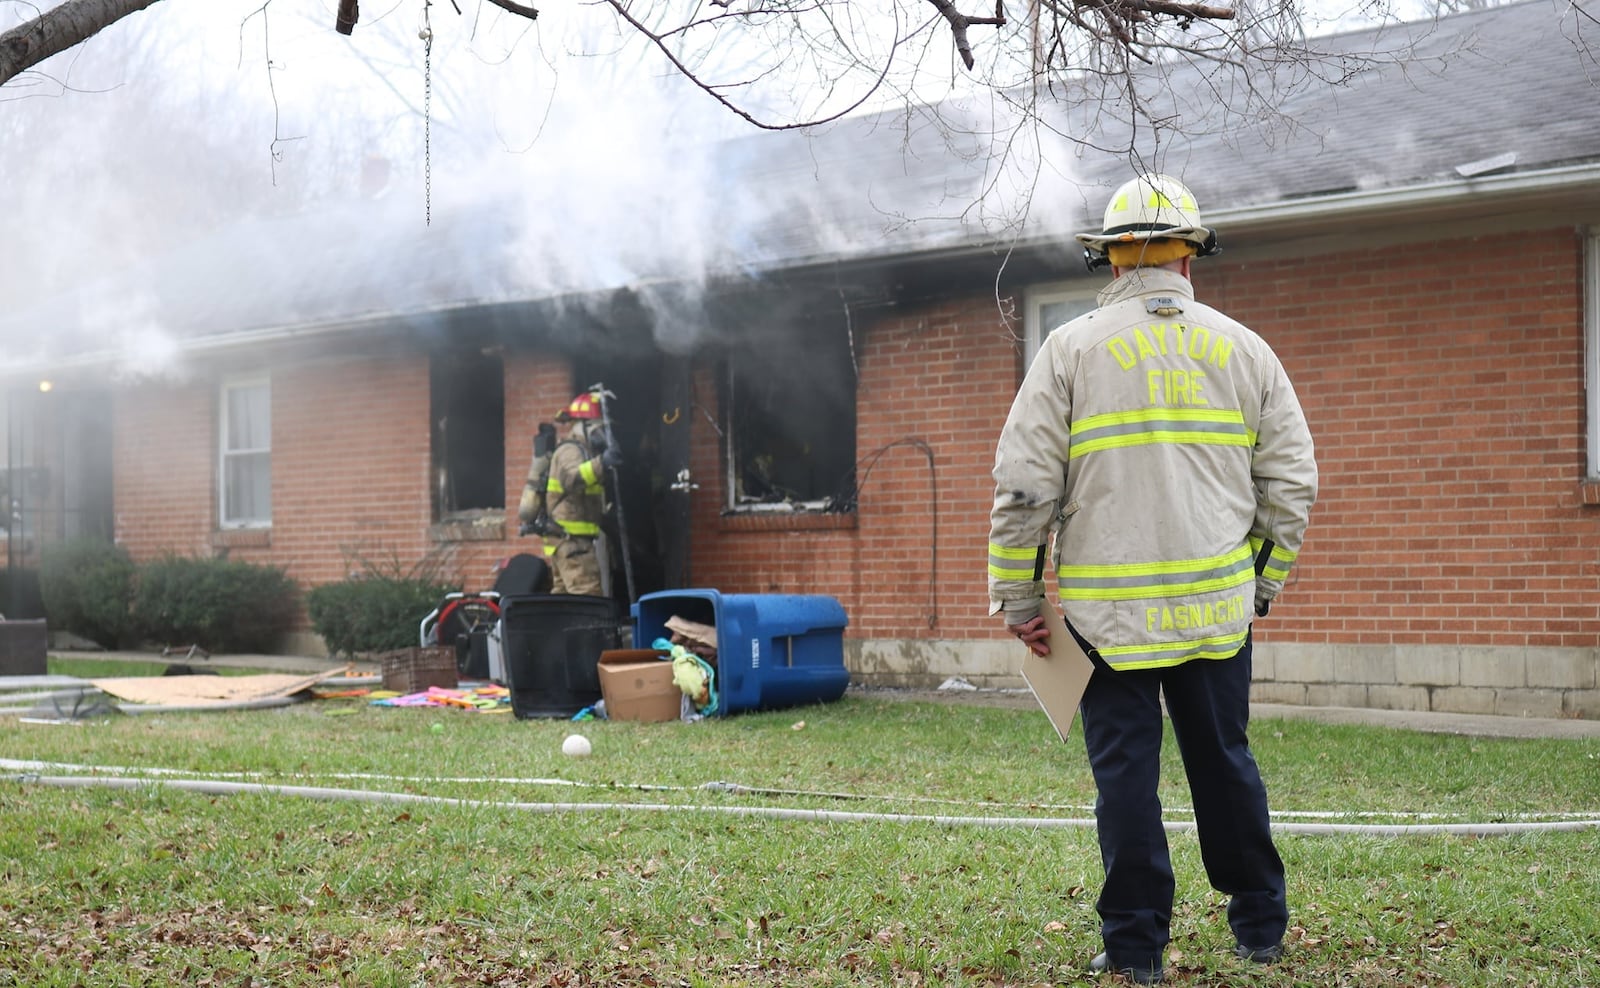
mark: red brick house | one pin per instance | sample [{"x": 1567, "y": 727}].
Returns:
[{"x": 1422, "y": 248}]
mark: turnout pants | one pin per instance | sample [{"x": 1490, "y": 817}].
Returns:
[
  {"x": 1209, "y": 704},
  {"x": 578, "y": 566}
]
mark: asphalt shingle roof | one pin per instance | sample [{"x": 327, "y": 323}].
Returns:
[{"x": 1519, "y": 79}]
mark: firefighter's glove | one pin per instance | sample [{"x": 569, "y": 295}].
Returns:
[
  {"x": 1263, "y": 604},
  {"x": 611, "y": 457}
]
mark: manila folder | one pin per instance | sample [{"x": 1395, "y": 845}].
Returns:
[{"x": 1058, "y": 679}]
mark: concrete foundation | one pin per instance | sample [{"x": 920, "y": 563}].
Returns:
[{"x": 1511, "y": 682}]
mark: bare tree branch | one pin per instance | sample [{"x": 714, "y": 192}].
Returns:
[
  {"x": 959, "y": 23},
  {"x": 58, "y": 29},
  {"x": 349, "y": 13},
  {"x": 516, "y": 8},
  {"x": 688, "y": 72}
]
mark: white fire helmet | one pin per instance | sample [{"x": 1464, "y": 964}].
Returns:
[{"x": 1148, "y": 207}]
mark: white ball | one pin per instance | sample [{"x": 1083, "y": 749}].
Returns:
[{"x": 576, "y": 745}]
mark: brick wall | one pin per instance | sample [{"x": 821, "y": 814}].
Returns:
[
  {"x": 1447, "y": 400},
  {"x": 164, "y": 468},
  {"x": 350, "y": 469},
  {"x": 1448, "y": 413},
  {"x": 1445, "y": 389}
]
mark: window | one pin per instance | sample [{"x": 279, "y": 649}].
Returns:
[
  {"x": 467, "y": 395},
  {"x": 246, "y": 474},
  {"x": 791, "y": 441},
  {"x": 1591, "y": 337},
  {"x": 1048, "y": 306}
]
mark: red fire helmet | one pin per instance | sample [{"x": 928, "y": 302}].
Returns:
[{"x": 585, "y": 406}]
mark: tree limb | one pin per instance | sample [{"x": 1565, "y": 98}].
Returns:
[
  {"x": 1198, "y": 11},
  {"x": 59, "y": 28},
  {"x": 959, "y": 23},
  {"x": 516, "y": 8},
  {"x": 687, "y": 71},
  {"x": 349, "y": 13}
]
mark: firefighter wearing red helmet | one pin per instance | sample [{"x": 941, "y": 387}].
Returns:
[{"x": 576, "y": 497}]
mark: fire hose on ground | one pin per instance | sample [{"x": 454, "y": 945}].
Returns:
[{"x": 31, "y": 774}]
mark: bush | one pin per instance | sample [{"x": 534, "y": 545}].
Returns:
[
  {"x": 218, "y": 604},
  {"x": 377, "y": 611},
  {"x": 86, "y": 586}
]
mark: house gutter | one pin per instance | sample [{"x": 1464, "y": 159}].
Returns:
[
  {"x": 1392, "y": 203},
  {"x": 1544, "y": 183}
]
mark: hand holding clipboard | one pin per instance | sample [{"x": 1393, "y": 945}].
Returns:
[{"x": 1058, "y": 679}]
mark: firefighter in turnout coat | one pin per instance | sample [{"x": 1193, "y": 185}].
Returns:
[
  {"x": 1162, "y": 446},
  {"x": 577, "y": 499}
]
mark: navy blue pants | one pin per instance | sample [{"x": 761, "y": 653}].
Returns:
[{"x": 1209, "y": 704}]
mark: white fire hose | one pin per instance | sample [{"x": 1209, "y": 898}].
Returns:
[{"x": 31, "y": 773}]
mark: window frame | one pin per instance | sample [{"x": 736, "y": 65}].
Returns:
[
  {"x": 729, "y": 375},
  {"x": 484, "y": 470},
  {"x": 1036, "y": 297},
  {"x": 226, "y": 455}
]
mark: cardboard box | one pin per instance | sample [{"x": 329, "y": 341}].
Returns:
[{"x": 636, "y": 684}]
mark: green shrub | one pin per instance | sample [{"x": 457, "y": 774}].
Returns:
[
  {"x": 219, "y": 604},
  {"x": 377, "y": 610},
  {"x": 86, "y": 586}
]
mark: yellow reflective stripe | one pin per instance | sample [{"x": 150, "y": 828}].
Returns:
[
  {"x": 1158, "y": 199},
  {"x": 1165, "y": 654},
  {"x": 1091, "y": 423},
  {"x": 579, "y": 527},
  {"x": 1003, "y": 562},
  {"x": 1168, "y": 579},
  {"x": 1279, "y": 562},
  {"x": 1167, "y": 590},
  {"x": 1166, "y": 438},
  {"x": 591, "y": 483},
  {"x": 1173, "y": 426},
  {"x": 1107, "y": 570},
  {"x": 549, "y": 550}
]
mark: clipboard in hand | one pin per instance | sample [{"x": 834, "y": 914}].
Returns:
[{"x": 1058, "y": 679}]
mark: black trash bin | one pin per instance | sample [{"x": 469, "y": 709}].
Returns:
[{"x": 552, "y": 645}]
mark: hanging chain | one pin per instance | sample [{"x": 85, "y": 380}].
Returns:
[{"x": 426, "y": 34}]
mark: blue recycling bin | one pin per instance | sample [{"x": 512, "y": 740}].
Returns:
[{"x": 773, "y": 650}]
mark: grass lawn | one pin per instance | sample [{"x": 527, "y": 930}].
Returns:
[{"x": 877, "y": 842}]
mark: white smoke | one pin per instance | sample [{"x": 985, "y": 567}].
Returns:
[{"x": 244, "y": 167}]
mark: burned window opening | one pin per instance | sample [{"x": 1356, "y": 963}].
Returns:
[
  {"x": 791, "y": 437},
  {"x": 467, "y": 402}
]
